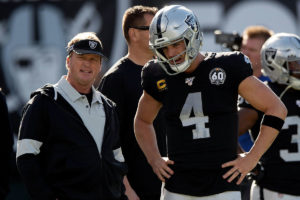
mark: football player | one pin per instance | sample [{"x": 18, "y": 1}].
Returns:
[
  {"x": 280, "y": 175},
  {"x": 122, "y": 84},
  {"x": 199, "y": 95}
]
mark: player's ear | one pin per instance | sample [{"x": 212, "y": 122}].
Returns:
[{"x": 132, "y": 34}]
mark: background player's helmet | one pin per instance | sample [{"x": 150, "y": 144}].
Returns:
[
  {"x": 172, "y": 24},
  {"x": 276, "y": 53}
]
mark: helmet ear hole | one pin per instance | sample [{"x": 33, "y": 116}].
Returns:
[{"x": 186, "y": 42}]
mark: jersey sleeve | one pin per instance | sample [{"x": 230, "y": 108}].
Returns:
[
  {"x": 242, "y": 67},
  {"x": 154, "y": 80},
  {"x": 241, "y": 70},
  {"x": 236, "y": 66}
]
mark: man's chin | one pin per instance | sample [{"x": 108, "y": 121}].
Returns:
[{"x": 86, "y": 80}]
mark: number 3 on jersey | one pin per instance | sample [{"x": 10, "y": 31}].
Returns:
[
  {"x": 193, "y": 103},
  {"x": 285, "y": 154}
]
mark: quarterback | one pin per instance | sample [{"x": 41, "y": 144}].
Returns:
[{"x": 199, "y": 94}]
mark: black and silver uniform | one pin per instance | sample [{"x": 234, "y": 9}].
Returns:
[
  {"x": 201, "y": 120},
  {"x": 281, "y": 162}
]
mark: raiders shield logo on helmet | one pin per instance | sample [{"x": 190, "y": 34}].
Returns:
[{"x": 270, "y": 55}]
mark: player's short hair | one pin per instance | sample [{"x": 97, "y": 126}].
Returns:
[
  {"x": 134, "y": 16},
  {"x": 258, "y": 32}
]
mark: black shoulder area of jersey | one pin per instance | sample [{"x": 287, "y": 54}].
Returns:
[
  {"x": 235, "y": 64},
  {"x": 231, "y": 57},
  {"x": 152, "y": 68},
  {"x": 234, "y": 58},
  {"x": 117, "y": 67},
  {"x": 152, "y": 74}
]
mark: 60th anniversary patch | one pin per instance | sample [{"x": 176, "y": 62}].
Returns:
[{"x": 217, "y": 76}]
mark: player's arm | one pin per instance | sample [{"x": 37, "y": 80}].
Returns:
[
  {"x": 147, "y": 110},
  {"x": 262, "y": 98}
]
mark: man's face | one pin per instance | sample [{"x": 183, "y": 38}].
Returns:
[
  {"x": 251, "y": 47},
  {"x": 175, "y": 51},
  {"x": 83, "y": 69}
]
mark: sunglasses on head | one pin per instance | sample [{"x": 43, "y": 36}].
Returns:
[{"x": 145, "y": 28}]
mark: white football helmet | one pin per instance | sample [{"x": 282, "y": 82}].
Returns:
[
  {"x": 276, "y": 53},
  {"x": 172, "y": 24}
]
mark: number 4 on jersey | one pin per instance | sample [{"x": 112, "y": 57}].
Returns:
[{"x": 193, "y": 103}]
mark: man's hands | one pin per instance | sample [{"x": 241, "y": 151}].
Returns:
[
  {"x": 240, "y": 167},
  {"x": 161, "y": 168}
]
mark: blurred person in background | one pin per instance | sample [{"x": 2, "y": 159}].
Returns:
[
  {"x": 253, "y": 39},
  {"x": 122, "y": 84},
  {"x": 278, "y": 178}
]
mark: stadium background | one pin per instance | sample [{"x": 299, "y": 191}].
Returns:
[{"x": 33, "y": 36}]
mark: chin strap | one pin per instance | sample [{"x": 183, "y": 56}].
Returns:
[
  {"x": 295, "y": 82},
  {"x": 284, "y": 91}
]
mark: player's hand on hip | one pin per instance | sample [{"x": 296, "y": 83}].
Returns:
[
  {"x": 240, "y": 168},
  {"x": 161, "y": 168}
]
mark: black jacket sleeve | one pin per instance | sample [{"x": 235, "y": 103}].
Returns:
[
  {"x": 32, "y": 132},
  {"x": 5, "y": 147}
]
